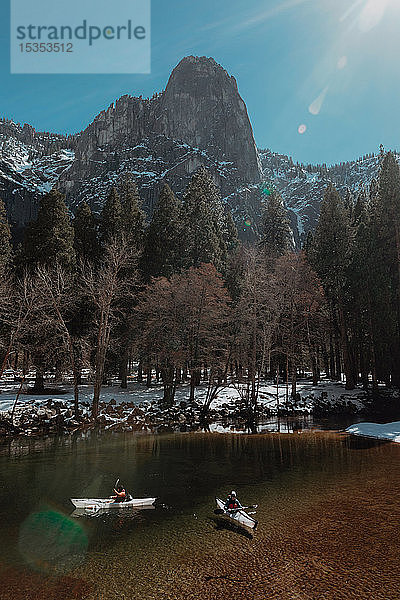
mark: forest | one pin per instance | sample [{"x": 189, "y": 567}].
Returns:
[{"x": 182, "y": 296}]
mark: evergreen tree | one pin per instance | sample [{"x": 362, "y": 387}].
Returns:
[
  {"x": 203, "y": 223},
  {"x": 308, "y": 242},
  {"x": 370, "y": 294},
  {"x": 230, "y": 233},
  {"x": 358, "y": 212},
  {"x": 276, "y": 237},
  {"x": 5, "y": 239},
  {"x": 330, "y": 256},
  {"x": 110, "y": 218},
  {"x": 386, "y": 208},
  {"x": 49, "y": 240},
  {"x": 132, "y": 217},
  {"x": 85, "y": 238},
  {"x": 162, "y": 251}
]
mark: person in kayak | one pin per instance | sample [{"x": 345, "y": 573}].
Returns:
[
  {"x": 232, "y": 502},
  {"x": 121, "y": 494}
]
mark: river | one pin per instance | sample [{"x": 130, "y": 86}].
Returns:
[{"x": 328, "y": 517}]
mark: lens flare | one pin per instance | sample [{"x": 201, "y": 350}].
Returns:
[
  {"x": 302, "y": 129},
  {"x": 372, "y": 14},
  {"x": 315, "y": 107},
  {"x": 52, "y": 542}
]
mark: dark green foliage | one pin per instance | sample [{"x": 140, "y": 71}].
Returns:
[
  {"x": 386, "y": 211},
  {"x": 230, "y": 233},
  {"x": 203, "y": 223},
  {"x": 85, "y": 239},
  {"x": 330, "y": 254},
  {"x": 276, "y": 236},
  {"x": 5, "y": 239},
  {"x": 132, "y": 216},
  {"x": 307, "y": 246},
  {"x": 110, "y": 218},
  {"x": 49, "y": 240},
  {"x": 162, "y": 251}
]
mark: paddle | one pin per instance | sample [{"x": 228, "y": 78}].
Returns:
[
  {"x": 221, "y": 511},
  {"x": 115, "y": 487}
]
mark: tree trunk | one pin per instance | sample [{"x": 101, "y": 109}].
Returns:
[
  {"x": 294, "y": 380},
  {"x": 167, "y": 376},
  {"x": 38, "y": 386},
  {"x": 123, "y": 369},
  {"x": 347, "y": 358}
]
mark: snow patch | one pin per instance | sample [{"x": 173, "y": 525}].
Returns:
[{"x": 385, "y": 431}]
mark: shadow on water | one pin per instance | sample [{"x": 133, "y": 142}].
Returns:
[{"x": 226, "y": 523}]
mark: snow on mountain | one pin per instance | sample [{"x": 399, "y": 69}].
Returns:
[
  {"x": 302, "y": 186},
  {"x": 198, "y": 120},
  {"x": 30, "y": 165}
]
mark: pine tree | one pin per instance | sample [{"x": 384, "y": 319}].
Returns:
[
  {"x": 358, "y": 211},
  {"x": 49, "y": 240},
  {"x": 132, "y": 217},
  {"x": 203, "y": 222},
  {"x": 110, "y": 218},
  {"x": 370, "y": 293},
  {"x": 5, "y": 239},
  {"x": 230, "y": 233},
  {"x": 162, "y": 251},
  {"x": 387, "y": 210},
  {"x": 85, "y": 239},
  {"x": 308, "y": 242},
  {"x": 276, "y": 237},
  {"x": 330, "y": 256}
]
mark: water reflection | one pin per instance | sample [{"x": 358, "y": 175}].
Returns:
[{"x": 153, "y": 553}]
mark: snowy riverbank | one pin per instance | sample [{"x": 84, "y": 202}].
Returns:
[{"x": 138, "y": 407}]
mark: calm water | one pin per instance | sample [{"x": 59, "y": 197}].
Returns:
[{"x": 139, "y": 553}]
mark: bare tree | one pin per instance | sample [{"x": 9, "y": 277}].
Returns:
[
  {"x": 184, "y": 321},
  {"x": 107, "y": 287},
  {"x": 18, "y": 301},
  {"x": 58, "y": 297}
]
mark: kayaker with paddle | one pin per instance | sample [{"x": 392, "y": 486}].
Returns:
[
  {"x": 120, "y": 494},
  {"x": 232, "y": 503}
]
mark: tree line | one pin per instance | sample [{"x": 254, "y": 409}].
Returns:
[{"x": 181, "y": 297}]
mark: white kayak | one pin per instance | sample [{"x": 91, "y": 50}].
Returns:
[
  {"x": 238, "y": 515},
  {"x": 98, "y": 503}
]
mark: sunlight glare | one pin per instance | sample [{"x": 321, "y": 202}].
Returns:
[
  {"x": 372, "y": 14},
  {"x": 316, "y": 106}
]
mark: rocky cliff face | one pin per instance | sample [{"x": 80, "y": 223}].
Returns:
[
  {"x": 30, "y": 165},
  {"x": 202, "y": 106},
  {"x": 199, "y": 119}
]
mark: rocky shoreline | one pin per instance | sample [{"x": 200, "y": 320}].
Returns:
[{"x": 35, "y": 417}]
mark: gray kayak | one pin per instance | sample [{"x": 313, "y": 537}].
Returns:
[{"x": 240, "y": 516}]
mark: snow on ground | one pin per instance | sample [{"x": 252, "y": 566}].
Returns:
[
  {"x": 331, "y": 392},
  {"x": 385, "y": 431}
]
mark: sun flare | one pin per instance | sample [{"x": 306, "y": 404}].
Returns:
[{"x": 372, "y": 13}]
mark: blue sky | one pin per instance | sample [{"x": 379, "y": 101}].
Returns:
[{"x": 329, "y": 65}]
